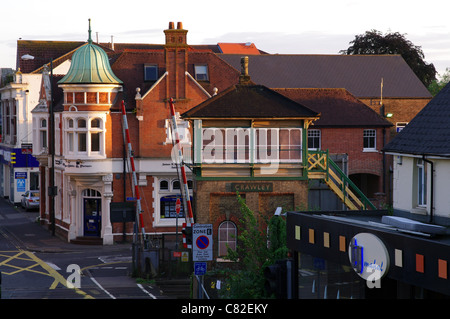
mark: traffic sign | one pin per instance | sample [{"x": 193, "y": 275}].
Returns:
[
  {"x": 202, "y": 242},
  {"x": 200, "y": 268}
]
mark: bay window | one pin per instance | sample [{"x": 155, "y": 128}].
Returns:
[
  {"x": 84, "y": 136},
  {"x": 251, "y": 145}
]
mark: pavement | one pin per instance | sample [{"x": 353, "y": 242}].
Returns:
[
  {"x": 26, "y": 231},
  {"x": 23, "y": 229}
]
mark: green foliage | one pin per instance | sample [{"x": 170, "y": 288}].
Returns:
[
  {"x": 257, "y": 248},
  {"x": 437, "y": 85}
]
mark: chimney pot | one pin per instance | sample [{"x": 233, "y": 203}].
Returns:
[
  {"x": 180, "y": 25},
  {"x": 171, "y": 25}
]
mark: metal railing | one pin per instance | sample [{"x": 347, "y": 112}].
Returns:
[{"x": 321, "y": 166}]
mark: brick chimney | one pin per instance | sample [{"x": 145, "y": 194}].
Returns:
[
  {"x": 176, "y": 58},
  {"x": 244, "y": 77}
]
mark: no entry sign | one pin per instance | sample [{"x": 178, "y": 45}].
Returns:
[{"x": 202, "y": 242}]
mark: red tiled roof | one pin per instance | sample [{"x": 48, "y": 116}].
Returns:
[
  {"x": 338, "y": 107},
  {"x": 238, "y": 48},
  {"x": 59, "y": 51}
]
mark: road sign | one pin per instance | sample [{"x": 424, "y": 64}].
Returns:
[
  {"x": 202, "y": 242},
  {"x": 200, "y": 268}
]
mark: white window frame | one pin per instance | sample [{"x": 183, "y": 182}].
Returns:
[
  {"x": 256, "y": 149},
  {"x": 72, "y": 135},
  {"x": 159, "y": 193},
  {"x": 43, "y": 133},
  {"x": 421, "y": 167},
  {"x": 230, "y": 238},
  {"x": 370, "y": 134},
  {"x": 315, "y": 134}
]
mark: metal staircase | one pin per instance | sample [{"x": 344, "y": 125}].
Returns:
[{"x": 321, "y": 166}]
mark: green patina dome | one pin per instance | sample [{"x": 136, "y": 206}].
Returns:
[{"x": 90, "y": 65}]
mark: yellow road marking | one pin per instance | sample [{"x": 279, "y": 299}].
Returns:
[{"x": 58, "y": 279}]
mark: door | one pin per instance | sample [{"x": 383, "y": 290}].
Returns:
[{"x": 92, "y": 216}]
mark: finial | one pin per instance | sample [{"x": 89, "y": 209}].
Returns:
[{"x": 90, "y": 39}]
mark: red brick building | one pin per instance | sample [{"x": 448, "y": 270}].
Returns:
[
  {"x": 349, "y": 128},
  {"x": 91, "y": 169}
]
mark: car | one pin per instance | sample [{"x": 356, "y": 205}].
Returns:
[{"x": 30, "y": 200}]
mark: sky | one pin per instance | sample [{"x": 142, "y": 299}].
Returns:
[{"x": 280, "y": 26}]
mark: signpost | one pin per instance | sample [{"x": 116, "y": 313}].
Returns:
[{"x": 202, "y": 242}]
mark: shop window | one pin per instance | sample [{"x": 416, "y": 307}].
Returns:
[{"x": 169, "y": 191}]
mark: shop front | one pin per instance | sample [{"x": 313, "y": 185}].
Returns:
[{"x": 358, "y": 255}]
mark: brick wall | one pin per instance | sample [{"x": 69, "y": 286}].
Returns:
[
  {"x": 350, "y": 141},
  {"x": 215, "y": 203}
]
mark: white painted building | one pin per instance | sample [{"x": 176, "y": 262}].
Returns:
[
  {"x": 19, "y": 170},
  {"x": 421, "y": 169}
]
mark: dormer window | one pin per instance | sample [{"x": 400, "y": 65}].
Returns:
[
  {"x": 150, "y": 72},
  {"x": 201, "y": 72}
]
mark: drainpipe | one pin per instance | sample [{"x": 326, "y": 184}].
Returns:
[{"x": 431, "y": 188}]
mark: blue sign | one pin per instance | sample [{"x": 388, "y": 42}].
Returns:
[
  {"x": 20, "y": 175},
  {"x": 202, "y": 242},
  {"x": 21, "y": 185},
  {"x": 200, "y": 268}
]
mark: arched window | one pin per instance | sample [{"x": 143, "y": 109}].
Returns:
[
  {"x": 227, "y": 237},
  {"x": 81, "y": 123},
  {"x": 176, "y": 184},
  {"x": 164, "y": 185},
  {"x": 95, "y": 123}
]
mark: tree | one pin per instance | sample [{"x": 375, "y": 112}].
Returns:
[
  {"x": 437, "y": 85},
  {"x": 253, "y": 253},
  {"x": 374, "y": 42}
]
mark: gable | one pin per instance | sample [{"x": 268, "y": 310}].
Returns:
[{"x": 429, "y": 132}]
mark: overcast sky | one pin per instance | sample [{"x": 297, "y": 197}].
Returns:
[{"x": 281, "y": 26}]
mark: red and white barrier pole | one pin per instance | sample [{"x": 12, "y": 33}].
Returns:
[
  {"x": 186, "y": 198},
  {"x": 133, "y": 169}
]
